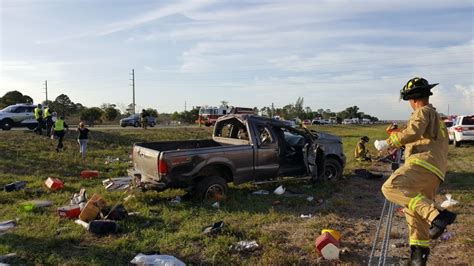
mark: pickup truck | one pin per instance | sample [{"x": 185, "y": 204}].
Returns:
[{"x": 243, "y": 148}]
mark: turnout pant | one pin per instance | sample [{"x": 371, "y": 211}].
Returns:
[{"x": 414, "y": 188}]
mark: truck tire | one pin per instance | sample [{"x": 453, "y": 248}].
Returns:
[
  {"x": 6, "y": 124},
  {"x": 212, "y": 188},
  {"x": 152, "y": 124},
  {"x": 136, "y": 124},
  {"x": 332, "y": 169}
]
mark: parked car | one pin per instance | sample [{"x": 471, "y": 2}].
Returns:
[
  {"x": 462, "y": 130},
  {"x": 243, "y": 148},
  {"x": 307, "y": 122},
  {"x": 18, "y": 115},
  {"x": 134, "y": 120},
  {"x": 449, "y": 123}
]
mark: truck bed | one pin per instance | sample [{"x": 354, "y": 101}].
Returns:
[{"x": 179, "y": 145}]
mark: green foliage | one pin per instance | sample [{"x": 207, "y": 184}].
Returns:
[
  {"x": 92, "y": 115},
  {"x": 110, "y": 112},
  {"x": 14, "y": 97},
  {"x": 63, "y": 105}
]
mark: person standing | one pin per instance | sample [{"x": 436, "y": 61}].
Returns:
[
  {"x": 48, "y": 119},
  {"x": 39, "y": 119},
  {"x": 414, "y": 184},
  {"x": 59, "y": 131},
  {"x": 144, "y": 119},
  {"x": 82, "y": 139}
]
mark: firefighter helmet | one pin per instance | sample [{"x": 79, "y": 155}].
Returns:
[
  {"x": 416, "y": 88},
  {"x": 365, "y": 139}
]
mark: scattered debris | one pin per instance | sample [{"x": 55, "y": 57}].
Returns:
[
  {"x": 70, "y": 211},
  {"x": 336, "y": 234},
  {"x": 176, "y": 200},
  {"x": 89, "y": 174},
  {"x": 109, "y": 160},
  {"x": 35, "y": 204},
  {"x": 320, "y": 201},
  {"x": 54, "y": 183},
  {"x": 129, "y": 197},
  {"x": 216, "y": 205},
  {"x": 447, "y": 235},
  {"x": 345, "y": 250},
  {"x": 82, "y": 223},
  {"x": 118, "y": 212},
  {"x": 7, "y": 225},
  {"x": 15, "y": 186},
  {"x": 449, "y": 201},
  {"x": 276, "y": 202},
  {"x": 310, "y": 198},
  {"x": 398, "y": 245},
  {"x": 279, "y": 190},
  {"x": 156, "y": 260},
  {"x": 214, "y": 229},
  {"x": 306, "y": 215},
  {"x": 119, "y": 183},
  {"x": 261, "y": 192},
  {"x": 103, "y": 227},
  {"x": 328, "y": 246},
  {"x": 246, "y": 246},
  {"x": 92, "y": 208},
  {"x": 7, "y": 256},
  {"x": 364, "y": 173},
  {"x": 79, "y": 198}
]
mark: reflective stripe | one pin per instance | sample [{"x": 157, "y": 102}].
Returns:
[
  {"x": 421, "y": 243},
  {"x": 395, "y": 140},
  {"x": 435, "y": 170},
  {"x": 414, "y": 201}
]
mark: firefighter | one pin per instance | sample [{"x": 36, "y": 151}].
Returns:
[
  {"x": 144, "y": 118},
  {"x": 48, "y": 118},
  {"x": 414, "y": 184},
  {"x": 39, "y": 119},
  {"x": 361, "y": 153}
]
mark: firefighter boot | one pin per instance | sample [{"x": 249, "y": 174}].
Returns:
[
  {"x": 418, "y": 256},
  {"x": 439, "y": 224}
]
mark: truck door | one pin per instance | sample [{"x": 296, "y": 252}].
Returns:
[{"x": 266, "y": 154}]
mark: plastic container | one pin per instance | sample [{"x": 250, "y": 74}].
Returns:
[
  {"x": 336, "y": 234},
  {"x": 327, "y": 246},
  {"x": 54, "y": 183},
  {"x": 70, "y": 211},
  {"x": 34, "y": 204},
  {"x": 89, "y": 174},
  {"x": 92, "y": 208}
]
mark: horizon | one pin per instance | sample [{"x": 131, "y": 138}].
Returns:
[{"x": 334, "y": 54}]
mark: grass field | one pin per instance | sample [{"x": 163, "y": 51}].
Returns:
[{"x": 350, "y": 205}]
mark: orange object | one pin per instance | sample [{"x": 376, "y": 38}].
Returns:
[
  {"x": 54, "y": 183},
  {"x": 92, "y": 208},
  {"x": 336, "y": 234},
  {"x": 89, "y": 174}
]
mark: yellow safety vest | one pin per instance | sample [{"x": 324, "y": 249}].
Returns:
[
  {"x": 46, "y": 113},
  {"x": 59, "y": 125},
  {"x": 37, "y": 113}
]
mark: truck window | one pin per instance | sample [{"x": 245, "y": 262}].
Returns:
[
  {"x": 265, "y": 135},
  {"x": 232, "y": 129},
  {"x": 468, "y": 120}
]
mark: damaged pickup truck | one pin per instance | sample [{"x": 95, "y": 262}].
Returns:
[{"x": 243, "y": 148}]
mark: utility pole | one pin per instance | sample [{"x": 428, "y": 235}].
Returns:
[
  {"x": 185, "y": 106},
  {"x": 273, "y": 108},
  {"x": 133, "y": 87},
  {"x": 448, "y": 109},
  {"x": 46, "y": 90}
]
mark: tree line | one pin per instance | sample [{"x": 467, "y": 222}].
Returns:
[{"x": 64, "y": 106}]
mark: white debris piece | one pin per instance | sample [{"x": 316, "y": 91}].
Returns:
[
  {"x": 279, "y": 190},
  {"x": 449, "y": 201},
  {"x": 246, "y": 245},
  {"x": 119, "y": 183},
  {"x": 156, "y": 260},
  {"x": 261, "y": 192}
]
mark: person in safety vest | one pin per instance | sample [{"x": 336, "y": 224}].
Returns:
[
  {"x": 39, "y": 118},
  {"x": 59, "y": 128},
  {"x": 414, "y": 184},
  {"x": 144, "y": 118},
  {"x": 361, "y": 153},
  {"x": 48, "y": 119}
]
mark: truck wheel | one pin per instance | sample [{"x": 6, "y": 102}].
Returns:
[
  {"x": 332, "y": 169},
  {"x": 136, "y": 124},
  {"x": 152, "y": 124},
  {"x": 7, "y": 124},
  {"x": 212, "y": 188},
  {"x": 123, "y": 125}
]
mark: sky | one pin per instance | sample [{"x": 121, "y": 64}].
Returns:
[{"x": 334, "y": 53}]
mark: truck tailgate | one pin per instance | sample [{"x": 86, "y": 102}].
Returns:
[{"x": 145, "y": 161}]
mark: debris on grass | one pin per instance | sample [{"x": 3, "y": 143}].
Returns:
[
  {"x": 247, "y": 246},
  {"x": 88, "y": 174},
  {"x": 447, "y": 235},
  {"x": 156, "y": 260},
  {"x": 279, "y": 190},
  {"x": 92, "y": 208},
  {"x": 216, "y": 205},
  {"x": 103, "y": 227},
  {"x": 118, "y": 212},
  {"x": 306, "y": 215},
  {"x": 7, "y": 256},
  {"x": 176, "y": 200},
  {"x": 449, "y": 201},
  {"x": 35, "y": 204},
  {"x": 119, "y": 183},
  {"x": 129, "y": 197},
  {"x": 15, "y": 186},
  {"x": 261, "y": 192},
  {"x": 6, "y": 226},
  {"x": 327, "y": 246},
  {"x": 70, "y": 211},
  {"x": 214, "y": 229},
  {"x": 310, "y": 198},
  {"x": 79, "y": 198},
  {"x": 54, "y": 183}
]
